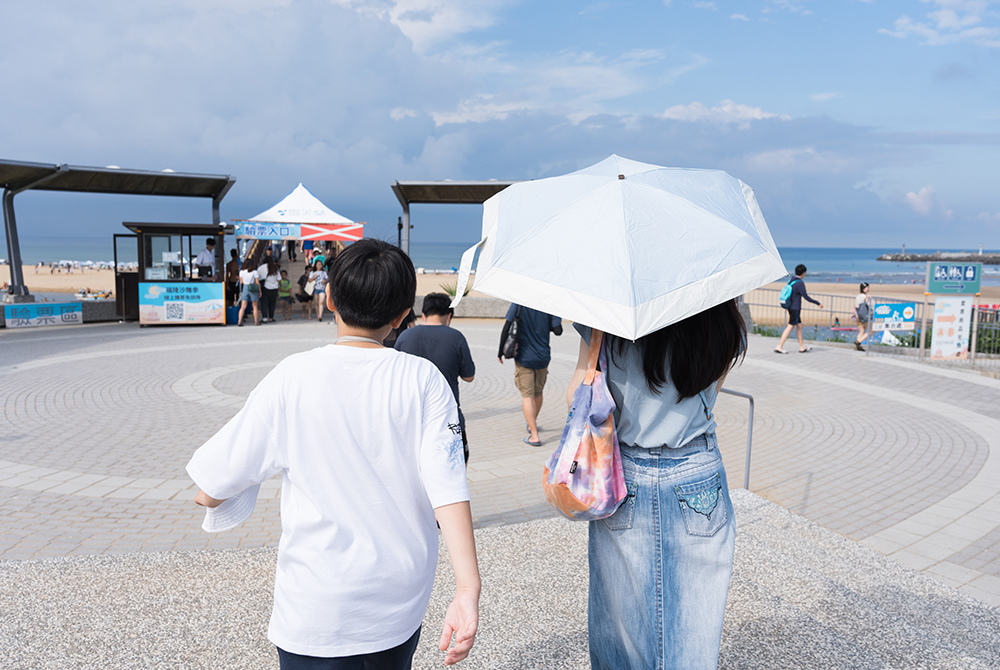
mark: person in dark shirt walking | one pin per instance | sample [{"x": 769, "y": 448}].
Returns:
[
  {"x": 794, "y": 311},
  {"x": 443, "y": 346},
  {"x": 531, "y": 364}
]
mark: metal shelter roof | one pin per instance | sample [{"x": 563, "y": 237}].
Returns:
[
  {"x": 441, "y": 193},
  {"x": 19, "y": 176},
  {"x": 447, "y": 192}
]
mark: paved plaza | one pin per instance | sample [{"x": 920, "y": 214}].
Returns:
[{"x": 99, "y": 420}]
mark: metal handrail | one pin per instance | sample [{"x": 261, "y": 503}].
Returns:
[{"x": 746, "y": 476}]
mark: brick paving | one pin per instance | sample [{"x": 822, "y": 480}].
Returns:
[{"x": 99, "y": 420}]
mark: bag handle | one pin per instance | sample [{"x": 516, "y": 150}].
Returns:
[{"x": 596, "y": 340}]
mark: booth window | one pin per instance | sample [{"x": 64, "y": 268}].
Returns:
[{"x": 165, "y": 258}]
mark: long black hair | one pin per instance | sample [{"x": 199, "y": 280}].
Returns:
[{"x": 702, "y": 348}]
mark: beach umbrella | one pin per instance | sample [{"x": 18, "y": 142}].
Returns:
[{"x": 622, "y": 246}]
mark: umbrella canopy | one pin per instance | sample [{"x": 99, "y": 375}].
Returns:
[{"x": 622, "y": 246}]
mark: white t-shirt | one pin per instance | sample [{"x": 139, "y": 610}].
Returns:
[
  {"x": 270, "y": 281},
  {"x": 860, "y": 300},
  {"x": 368, "y": 443},
  {"x": 247, "y": 277},
  {"x": 205, "y": 257}
]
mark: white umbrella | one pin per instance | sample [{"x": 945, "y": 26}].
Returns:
[{"x": 622, "y": 246}]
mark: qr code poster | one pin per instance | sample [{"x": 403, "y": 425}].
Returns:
[
  {"x": 181, "y": 303},
  {"x": 173, "y": 310}
]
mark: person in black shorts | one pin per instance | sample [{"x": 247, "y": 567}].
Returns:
[{"x": 794, "y": 311}]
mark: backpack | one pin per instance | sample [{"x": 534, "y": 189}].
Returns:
[
  {"x": 785, "y": 297},
  {"x": 583, "y": 478}
]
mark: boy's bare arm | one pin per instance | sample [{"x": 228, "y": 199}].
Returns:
[
  {"x": 206, "y": 500},
  {"x": 462, "y": 618}
]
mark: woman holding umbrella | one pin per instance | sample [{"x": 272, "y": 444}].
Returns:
[
  {"x": 660, "y": 565},
  {"x": 653, "y": 258}
]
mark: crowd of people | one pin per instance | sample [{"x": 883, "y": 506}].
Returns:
[{"x": 262, "y": 289}]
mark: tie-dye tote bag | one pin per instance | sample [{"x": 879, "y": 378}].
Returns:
[{"x": 583, "y": 478}]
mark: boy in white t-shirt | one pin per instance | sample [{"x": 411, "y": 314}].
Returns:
[{"x": 368, "y": 443}]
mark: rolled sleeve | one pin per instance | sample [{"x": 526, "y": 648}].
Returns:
[{"x": 245, "y": 452}]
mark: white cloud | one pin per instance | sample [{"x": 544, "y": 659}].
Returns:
[
  {"x": 705, "y": 5},
  {"x": 989, "y": 219},
  {"x": 923, "y": 201},
  {"x": 823, "y": 97},
  {"x": 801, "y": 160},
  {"x": 738, "y": 17},
  {"x": 727, "y": 112},
  {"x": 428, "y": 23},
  {"x": 952, "y": 22},
  {"x": 400, "y": 113}
]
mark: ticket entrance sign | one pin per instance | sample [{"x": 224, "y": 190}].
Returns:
[
  {"x": 32, "y": 315},
  {"x": 954, "y": 278},
  {"x": 952, "y": 327},
  {"x": 894, "y": 316}
]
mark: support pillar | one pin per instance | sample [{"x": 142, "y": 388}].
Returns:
[{"x": 17, "y": 292}]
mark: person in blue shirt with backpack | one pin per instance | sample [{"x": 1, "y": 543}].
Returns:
[{"x": 791, "y": 300}]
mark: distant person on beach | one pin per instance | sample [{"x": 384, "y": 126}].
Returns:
[
  {"x": 531, "y": 365},
  {"x": 206, "y": 260},
  {"x": 292, "y": 256},
  {"x": 445, "y": 347},
  {"x": 232, "y": 277},
  {"x": 307, "y": 250},
  {"x": 794, "y": 311},
  {"x": 863, "y": 313},
  {"x": 365, "y": 439}
]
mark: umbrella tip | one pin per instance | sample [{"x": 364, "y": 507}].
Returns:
[{"x": 621, "y": 176}]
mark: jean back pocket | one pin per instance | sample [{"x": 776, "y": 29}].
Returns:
[
  {"x": 622, "y": 518},
  {"x": 703, "y": 506}
]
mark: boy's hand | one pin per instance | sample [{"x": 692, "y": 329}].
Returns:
[{"x": 462, "y": 621}]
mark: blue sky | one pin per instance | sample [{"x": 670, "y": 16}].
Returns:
[{"x": 856, "y": 123}]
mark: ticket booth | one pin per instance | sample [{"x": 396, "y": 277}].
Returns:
[{"x": 170, "y": 287}]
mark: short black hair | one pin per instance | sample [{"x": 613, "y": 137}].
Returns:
[
  {"x": 232, "y": 252},
  {"x": 371, "y": 283},
  {"x": 800, "y": 269},
  {"x": 437, "y": 304},
  {"x": 210, "y": 242}
]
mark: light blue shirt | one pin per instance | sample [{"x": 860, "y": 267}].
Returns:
[{"x": 647, "y": 419}]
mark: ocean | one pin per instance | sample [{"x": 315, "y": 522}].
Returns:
[{"x": 824, "y": 264}]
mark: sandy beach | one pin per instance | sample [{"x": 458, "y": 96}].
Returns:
[{"x": 104, "y": 280}]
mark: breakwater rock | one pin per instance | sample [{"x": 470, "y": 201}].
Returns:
[{"x": 946, "y": 256}]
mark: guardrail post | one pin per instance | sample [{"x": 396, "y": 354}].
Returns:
[{"x": 746, "y": 474}]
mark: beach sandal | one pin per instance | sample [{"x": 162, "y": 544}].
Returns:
[
  {"x": 806, "y": 350},
  {"x": 779, "y": 351},
  {"x": 528, "y": 441}
]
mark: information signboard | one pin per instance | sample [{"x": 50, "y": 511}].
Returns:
[
  {"x": 954, "y": 278},
  {"x": 31, "y": 315},
  {"x": 894, "y": 316},
  {"x": 181, "y": 303},
  {"x": 952, "y": 320}
]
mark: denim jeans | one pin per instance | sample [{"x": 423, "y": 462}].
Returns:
[{"x": 660, "y": 565}]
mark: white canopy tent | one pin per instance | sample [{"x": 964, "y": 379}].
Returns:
[{"x": 300, "y": 216}]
